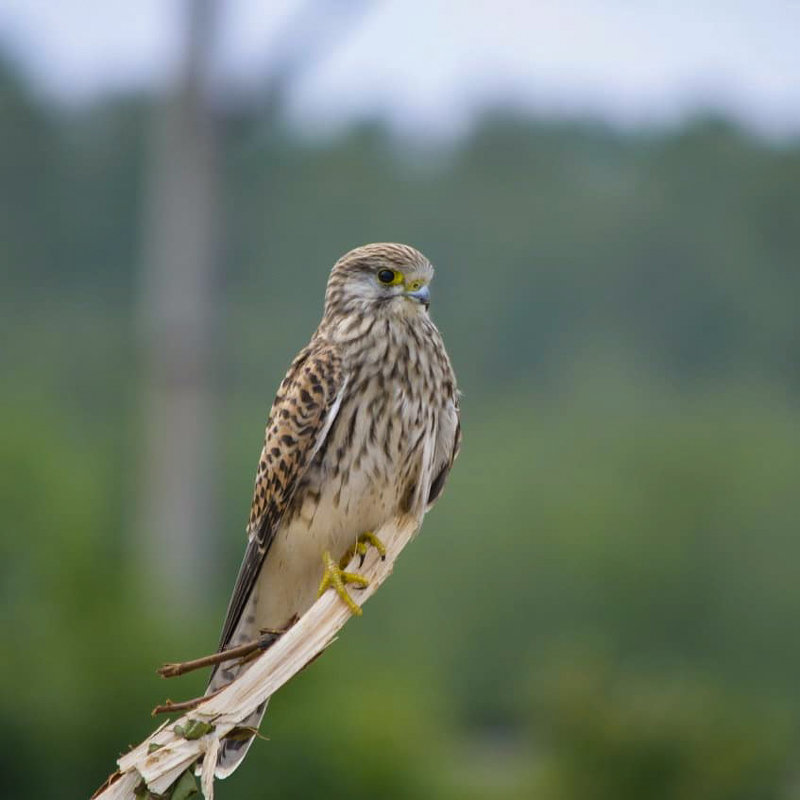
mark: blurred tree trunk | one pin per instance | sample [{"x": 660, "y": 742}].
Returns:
[{"x": 180, "y": 245}]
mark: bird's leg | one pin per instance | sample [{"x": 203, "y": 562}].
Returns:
[
  {"x": 334, "y": 576},
  {"x": 360, "y": 547}
]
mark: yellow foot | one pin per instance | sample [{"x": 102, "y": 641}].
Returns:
[
  {"x": 334, "y": 576},
  {"x": 361, "y": 546}
]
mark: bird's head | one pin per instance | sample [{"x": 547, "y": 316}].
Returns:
[{"x": 383, "y": 279}]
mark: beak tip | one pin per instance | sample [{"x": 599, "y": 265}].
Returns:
[{"x": 422, "y": 295}]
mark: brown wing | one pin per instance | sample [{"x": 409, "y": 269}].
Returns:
[
  {"x": 449, "y": 452},
  {"x": 306, "y": 404}
]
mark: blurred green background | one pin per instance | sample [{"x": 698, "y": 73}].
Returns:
[{"x": 603, "y": 605}]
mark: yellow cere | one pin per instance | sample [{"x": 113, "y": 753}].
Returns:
[{"x": 414, "y": 286}]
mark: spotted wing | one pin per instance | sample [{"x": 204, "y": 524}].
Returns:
[{"x": 304, "y": 409}]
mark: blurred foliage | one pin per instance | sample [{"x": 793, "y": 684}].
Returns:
[{"x": 605, "y": 602}]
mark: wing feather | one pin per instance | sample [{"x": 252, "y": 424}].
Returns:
[
  {"x": 304, "y": 409},
  {"x": 448, "y": 453}
]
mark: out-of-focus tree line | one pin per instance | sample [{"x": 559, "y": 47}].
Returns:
[{"x": 605, "y": 603}]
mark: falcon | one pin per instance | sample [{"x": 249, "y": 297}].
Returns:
[{"x": 364, "y": 430}]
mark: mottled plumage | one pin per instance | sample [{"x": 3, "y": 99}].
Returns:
[{"x": 364, "y": 429}]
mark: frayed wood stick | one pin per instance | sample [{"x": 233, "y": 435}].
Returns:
[{"x": 165, "y": 755}]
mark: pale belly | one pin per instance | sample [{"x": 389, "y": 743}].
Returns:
[
  {"x": 381, "y": 475},
  {"x": 292, "y": 570}
]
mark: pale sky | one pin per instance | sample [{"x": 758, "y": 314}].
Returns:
[{"x": 427, "y": 65}]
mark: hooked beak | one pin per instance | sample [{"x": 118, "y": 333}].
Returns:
[{"x": 422, "y": 295}]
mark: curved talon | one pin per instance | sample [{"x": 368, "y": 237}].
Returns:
[
  {"x": 370, "y": 538},
  {"x": 335, "y": 577},
  {"x": 360, "y": 548}
]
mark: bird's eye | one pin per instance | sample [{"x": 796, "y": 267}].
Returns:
[{"x": 387, "y": 276}]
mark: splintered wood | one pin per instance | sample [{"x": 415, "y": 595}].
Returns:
[{"x": 161, "y": 758}]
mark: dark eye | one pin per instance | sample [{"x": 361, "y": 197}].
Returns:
[{"x": 386, "y": 276}]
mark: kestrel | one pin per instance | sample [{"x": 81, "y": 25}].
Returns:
[{"x": 364, "y": 429}]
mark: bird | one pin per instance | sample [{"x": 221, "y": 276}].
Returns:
[{"x": 364, "y": 429}]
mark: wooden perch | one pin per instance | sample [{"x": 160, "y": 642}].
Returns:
[
  {"x": 171, "y": 670},
  {"x": 170, "y": 706},
  {"x": 167, "y": 753}
]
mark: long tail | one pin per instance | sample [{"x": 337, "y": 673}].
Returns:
[{"x": 233, "y": 749}]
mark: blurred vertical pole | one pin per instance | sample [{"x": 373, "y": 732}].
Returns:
[{"x": 180, "y": 244}]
